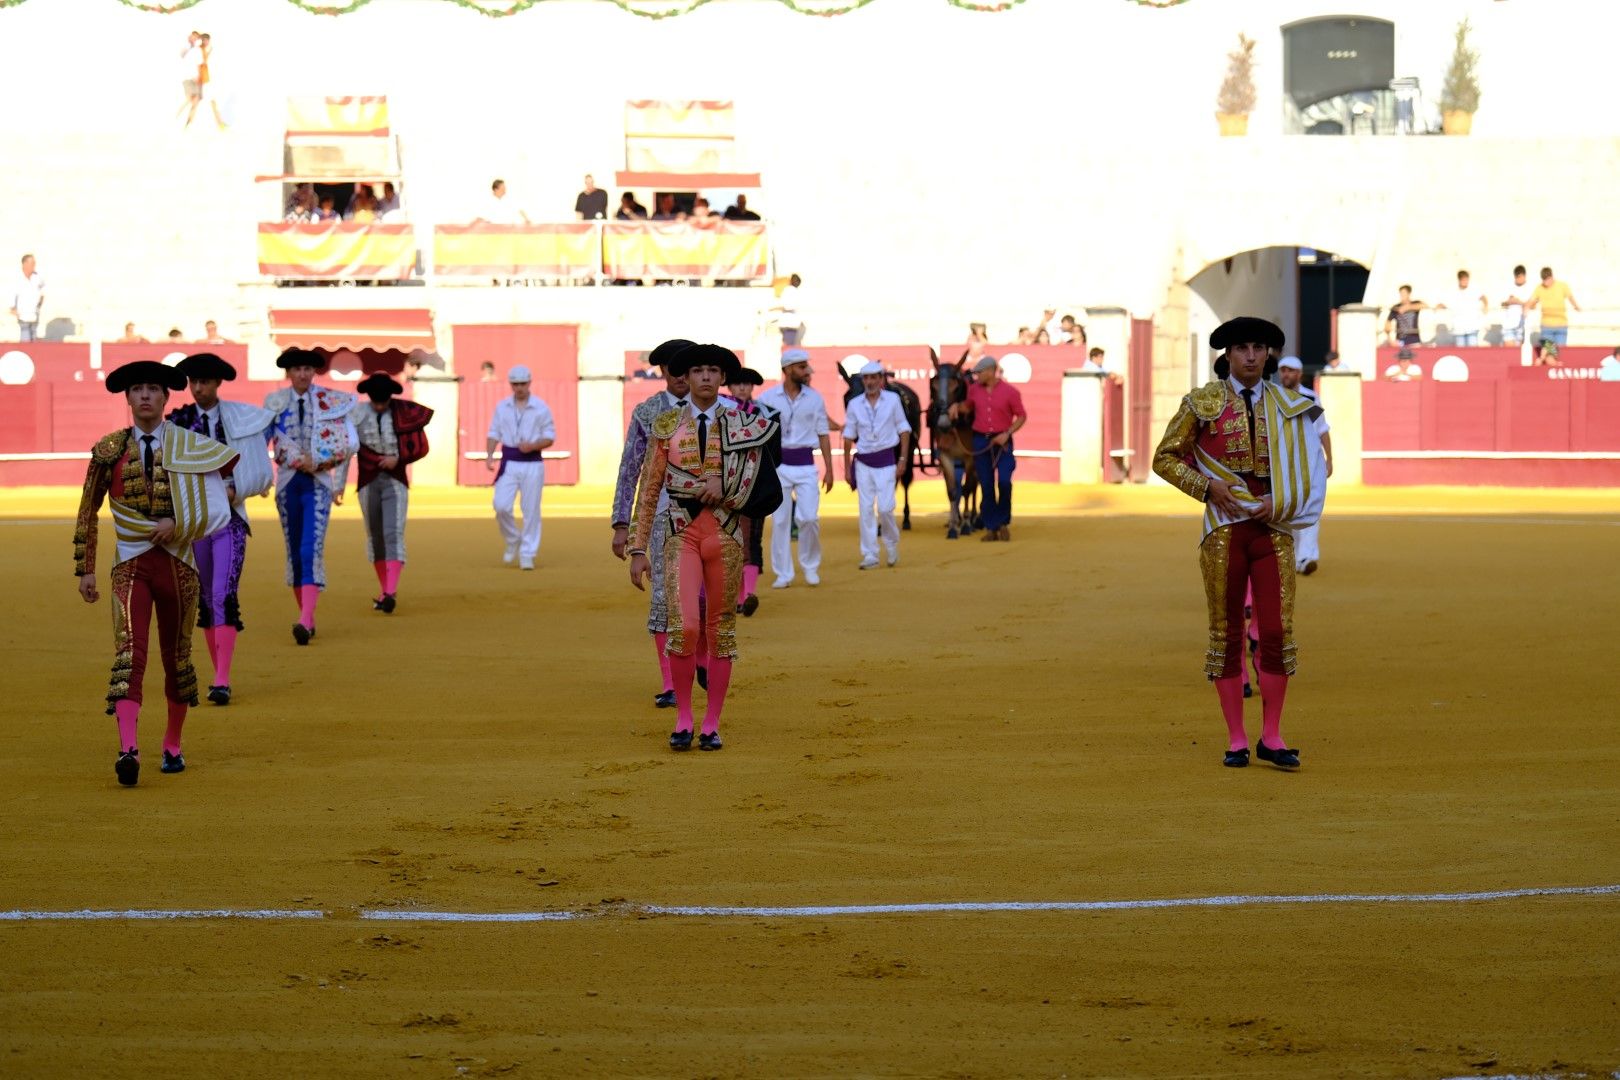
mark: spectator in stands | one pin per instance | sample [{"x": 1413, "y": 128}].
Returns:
[
  {"x": 1609, "y": 369},
  {"x": 363, "y": 207},
  {"x": 301, "y": 205},
  {"x": 1468, "y": 317},
  {"x": 702, "y": 217},
  {"x": 590, "y": 204},
  {"x": 1026, "y": 336},
  {"x": 1513, "y": 307},
  {"x": 664, "y": 207},
  {"x": 1331, "y": 362},
  {"x": 1047, "y": 315},
  {"x": 326, "y": 211},
  {"x": 498, "y": 210},
  {"x": 205, "y": 79},
  {"x": 388, "y": 208},
  {"x": 789, "y": 319},
  {"x": 1554, "y": 299},
  {"x": 27, "y": 298},
  {"x": 1042, "y": 337},
  {"x": 190, "y": 64},
  {"x": 629, "y": 209},
  {"x": 130, "y": 336},
  {"x": 175, "y": 336},
  {"x": 486, "y": 372},
  {"x": 1404, "y": 369},
  {"x": 1064, "y": 331},
  {"x": 211, "y": 333},
  {"x": 1401, "y": 326},
  {"x": 1096, "y": 362},
  {"x": 1547, "y": 355},
  {"x": 977, "y": 331},
  {"x": 739, "y": 210}
]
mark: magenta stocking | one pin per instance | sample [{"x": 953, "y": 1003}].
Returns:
[
  {"x": 381, "y": 569},
  {"x": 1273, "y": 689},
  {"x": 750, "y": 579},
  {"x": 129, "y": 714},
  {"x": 661, "y": 642},
  {"x": 177, "y": 720},
  {"x": 225, "y": 640},
  {"x": 394, "y": 567},
  {"x": 684, "y": 668},
  {"x": 719, "y": 681},
  {"x": 1230, "y": 692},
  {"x": 307, "y": 595},
  {"x": 210, "y": 637}
]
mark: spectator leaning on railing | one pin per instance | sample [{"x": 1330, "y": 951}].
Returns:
[
  {"x": 27, "y": 298},
  {"x": 1469, "y": 315},
  {"x": 1401, "y": 326},
  {"x": 1518, "y": 295},
  {"x": 1554, "y": 298}
]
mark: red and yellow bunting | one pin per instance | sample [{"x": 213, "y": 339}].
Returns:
[{"x": 337, "y": 251}]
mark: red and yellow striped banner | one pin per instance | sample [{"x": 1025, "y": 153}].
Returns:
[
  {"x": 337, "y": 116},
  {"x": 669, "y": 249},
  {"x": 568, "y": 250},
  {"x": 338, "y": 250},
  {"x": 679, "y": 119}
]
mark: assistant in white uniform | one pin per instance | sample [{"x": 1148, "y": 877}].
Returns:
[
  {"x": 522, "y": 428},
  {"x": 876, "y": 436},
  {"x": 1307, "y": 539},
  {"x": 805, "y": 426}
]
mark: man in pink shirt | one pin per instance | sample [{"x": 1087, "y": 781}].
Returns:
[{"x": 998, "y": 412}]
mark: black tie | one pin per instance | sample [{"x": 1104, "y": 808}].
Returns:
[
  {"x": 219, "y": 428},
  {"x": 146, "y": 456},
  {"x": 703, "y": 436},
  {"x": 1248, "y": 403},
  {"x": 300, "y": 413}
]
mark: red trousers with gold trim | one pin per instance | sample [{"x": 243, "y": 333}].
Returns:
[
  {"x": 153, "y": 582},
  {"x": 1233, "y": 558}
]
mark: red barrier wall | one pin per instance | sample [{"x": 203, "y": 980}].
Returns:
[
  {"x": 1510, "y": 431},
  {"x": 1488, "y": 362},
  {"x": 552, "y": 355}
]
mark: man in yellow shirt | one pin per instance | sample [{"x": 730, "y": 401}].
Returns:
[{"x": 1554, "y": 299}]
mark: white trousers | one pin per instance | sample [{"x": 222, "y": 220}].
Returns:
[
  {"x": 801, "y": 503},
  {"x": 525, "y": 478},
  {"x": 1307, "y": 545},
  {"x": 875, "y": 485}
]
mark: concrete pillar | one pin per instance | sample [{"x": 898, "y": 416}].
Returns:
[
  {"x": 601, "y": 404},
  {"x": 1359, "y": 327},
  {"x": 1081, "y": 442},
  {"x": 1340, "y": 395},
  {"x": 442, "y": 394}
]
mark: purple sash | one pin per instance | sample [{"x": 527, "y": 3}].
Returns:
[
  {"x": 512, "y": 453},
  {"x": 877, "y": 459},
  {"x": 798, "y": 455}
]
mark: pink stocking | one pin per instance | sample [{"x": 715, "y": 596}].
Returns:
[
  {"x": 395, "y": 567},
  {"x": 661, "y": 642},
  {"x": 210, "y": 635},
  {"x": 129, "y": 714},
  {"x": 750, "y": 577},
  {"x": 382, "y": 575},
  {"x": 684, "y": 668},
  {"x": 307, "y": 595},
  {"x": 177, "y": 720},
  {"x": 1273, "y": 689},
  {"x": 1230, "y": 692},
  {"x": 225, "y": 641},
  {"x": 719, "y": 680}
]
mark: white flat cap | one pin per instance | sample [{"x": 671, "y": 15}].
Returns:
[
  {"x": 1290, "y": 362},
  {"x": 872, "y": 367},
  {"x": 518, "y": 374}
]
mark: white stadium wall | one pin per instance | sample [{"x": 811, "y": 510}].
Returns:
[{"x": 922, "y": 165}]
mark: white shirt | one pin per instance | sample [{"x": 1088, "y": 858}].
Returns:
[
  {"x": 1322, "y": 427},
  {"x": 27, "y": 295},
  {"x": 1394, "y": 372},
  {"x": 875, "y": 427},
  {"x": 804, "y": 419},
  {"x": 500, "y": 211},
  {"x": 1093, "y": 367},
  {"x": 190, "y": 62},
  {"x": 788, "y": 308},
  {"x": 1466, "y": 314},
  {"x": 1513, "y": 314},
  {"x": 512, "y": 424}
]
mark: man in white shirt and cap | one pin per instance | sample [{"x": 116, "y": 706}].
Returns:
[
  {"x": 1307, "y": 549},
  {"x": 805, "y": 426},
  {"x": 876, "y": 437},
  {"x": 522, "y": 428}
]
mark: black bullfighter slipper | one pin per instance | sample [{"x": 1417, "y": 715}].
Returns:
[
  {"x": 1236, "y": 759},
  {"x": 173, "y": 762},
  {"x": 128, "y": 767},
  {"x": 219, "y": 695},
  {"x": 680, "y": 740},
  {"x": 1285, "y": 758}
]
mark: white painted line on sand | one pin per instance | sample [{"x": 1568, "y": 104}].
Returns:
[{"x": 89, "y": 915}]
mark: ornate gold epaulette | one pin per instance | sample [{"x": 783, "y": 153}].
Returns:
[
  {"x": 666, "y": 422},
  {"x": 1209, "y": 400},
  {"x": 109, "y": 448}
]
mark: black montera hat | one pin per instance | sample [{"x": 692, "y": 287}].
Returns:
[
  {"x": 660, "y": 356},
  {"x": 705, "y": 355},
  {"x": 1247, "y": 328},
  {"x": 379, "y": 384},
  {"x": 206, "y": 365},
  {"x": 138, "y": 372},
  {"x": 301, "y": 358}
]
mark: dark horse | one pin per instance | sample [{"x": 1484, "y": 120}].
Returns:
[
  {"x": 953, "y": 444},
  {"x": 911, "y": 405}
]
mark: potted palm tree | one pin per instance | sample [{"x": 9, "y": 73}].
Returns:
[
  {"x": 1459, "y": 100},
  {"x": 1236, "y": 99}
]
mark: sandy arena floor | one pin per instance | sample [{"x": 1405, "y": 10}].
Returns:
[{"x": 1010, "y": 722}]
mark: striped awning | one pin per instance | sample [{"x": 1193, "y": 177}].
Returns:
[{"x": 405, "y": 329}]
